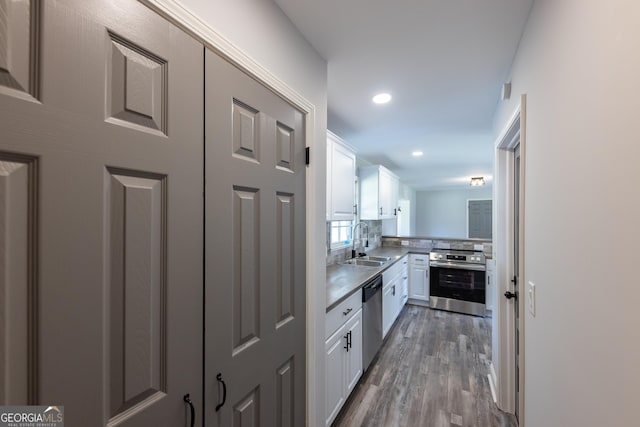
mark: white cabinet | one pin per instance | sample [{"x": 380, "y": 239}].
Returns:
[
  {"x": 392, "y": 294},
  {"x": 405, "y": 281},
  {"x": 353, "y": 357},
  {"x": 490, "y": 293},
  {"x": 343, "y": 357},
  {"x": 378, "y": 193},
  {"x": 419, "y": 277},
  {"x": 389, "y": 305},
  {"x": 341, "y": 176}
]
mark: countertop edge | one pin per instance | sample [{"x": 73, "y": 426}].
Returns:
[{"x": 375, "y": 271}]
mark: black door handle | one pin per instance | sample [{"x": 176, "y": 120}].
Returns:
[
  {"x": 224, "y": 392},
  {"x": 350, "y": 345},
  {"x": 187, "y": 399},
  {"x": 510, "y": 295}
]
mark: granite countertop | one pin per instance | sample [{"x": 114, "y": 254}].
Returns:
[{"x": 345, "y": 279}]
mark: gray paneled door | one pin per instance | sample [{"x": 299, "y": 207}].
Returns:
[
  {"x": 480, "y": 218},
  {"x": 101, "y": 182},
  {"x": 254, "y": 252}
]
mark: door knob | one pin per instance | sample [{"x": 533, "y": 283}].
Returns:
[{"x": 510, "y": 295}]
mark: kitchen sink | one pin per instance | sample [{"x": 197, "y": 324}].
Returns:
[
  {"x": 365, "y": 262},
  {"x": 378, "y": 258}
]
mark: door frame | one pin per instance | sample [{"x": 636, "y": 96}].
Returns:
[
  {"x": 315, "y": 184},
  {"x": 502, "y": 368}
]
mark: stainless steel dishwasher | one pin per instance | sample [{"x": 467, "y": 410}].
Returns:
[{"x": 371, "y": 320}]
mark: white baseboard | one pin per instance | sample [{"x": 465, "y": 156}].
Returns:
[{"x": 493, "y": 381}]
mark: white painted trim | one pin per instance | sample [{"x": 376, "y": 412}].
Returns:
[
  {"x": 492, "y": 382},
  {"x": 192, "y": 24},
  {"x": 341, "y": 141},
  {"x": 212, "y": 39},
  {"x": 512, "y": 135}
]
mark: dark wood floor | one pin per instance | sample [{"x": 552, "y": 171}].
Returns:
[{"x": 431, "y": 372}]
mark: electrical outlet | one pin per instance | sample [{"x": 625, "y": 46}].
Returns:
[
  {"x": 404, "y": 242},
  {"x": 531, "y": 294}
]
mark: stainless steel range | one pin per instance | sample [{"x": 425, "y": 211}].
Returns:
[{"x": 457, "y": 281}]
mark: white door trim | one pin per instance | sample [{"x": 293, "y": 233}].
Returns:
[
  {"x": 512, "y": 135},
  {"x": 212, "y": 39}
]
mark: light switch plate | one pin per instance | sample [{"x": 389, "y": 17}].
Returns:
[{"x": 531, "y": 293}]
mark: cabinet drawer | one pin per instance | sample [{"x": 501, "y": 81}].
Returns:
[
  {"x": 419, "y": 259},
  {"x": 342, "y": 313}
]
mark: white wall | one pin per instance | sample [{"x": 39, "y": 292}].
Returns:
[
  {"x": 264, "y": 33},
  {"x": 443, "y": 213},
  {"x": 579, "y": 64}
]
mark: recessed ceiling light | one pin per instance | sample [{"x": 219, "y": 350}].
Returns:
[
  {"x": 417, "y": 153},
  {"x": 381, "y": 98}
]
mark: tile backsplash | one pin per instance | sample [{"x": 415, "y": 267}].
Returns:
[{"x": 438, "y": 243}]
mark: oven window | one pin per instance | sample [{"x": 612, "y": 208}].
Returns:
[{"x": 465, "y": 285}]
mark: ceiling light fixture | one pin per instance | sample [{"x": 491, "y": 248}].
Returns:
[
  {"x": 381, "y": 98},
  {"x": 417, "y": 153},
  {"x": 477, "y": 181}
]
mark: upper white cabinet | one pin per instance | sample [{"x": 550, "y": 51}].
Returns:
[
  {"x": 378, "y": 193},
  {"x": 341, "y": 176}
]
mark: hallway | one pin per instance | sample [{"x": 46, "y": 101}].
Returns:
[{"x": 431, "y": 372}]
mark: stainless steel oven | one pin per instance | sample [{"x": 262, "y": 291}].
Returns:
[{"x": 457, "y": 281}]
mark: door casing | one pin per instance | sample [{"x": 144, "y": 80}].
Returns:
[{"x": 503, "y": 328}]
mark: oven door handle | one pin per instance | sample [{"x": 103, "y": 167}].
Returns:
[{"x": 473, "y": 267}]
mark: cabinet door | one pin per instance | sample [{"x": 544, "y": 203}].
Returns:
[
  {"x": 343, "y": 171},
  {"x": 335, "y": 373},
  {"x": 490, "y": 285},
  {"x": 418, "y": 284},
  {"x": 385, "y": 184},
  {"x": 353, "y": 357},
  {"x": 387, "y": 308}
]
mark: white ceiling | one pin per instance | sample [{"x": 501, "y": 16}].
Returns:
[{"x": 444, "y": 62}]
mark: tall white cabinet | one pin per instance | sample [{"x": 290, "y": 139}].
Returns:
[
  {"x": 341, "y": 176},
  {"x": 378, "y": 193}
]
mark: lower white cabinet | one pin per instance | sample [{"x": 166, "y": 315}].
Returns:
[
  {"x": 490, "y": 294},
  {"x": 394, "y": 290},
  {"x": 419, "y": 277},
  {"x": 343, "y": 364},
  {"x": 405, "y": 282},
  {"x": 389, "y": 305}
]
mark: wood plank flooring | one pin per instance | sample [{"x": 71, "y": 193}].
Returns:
[{"x": 431, "y": 372}]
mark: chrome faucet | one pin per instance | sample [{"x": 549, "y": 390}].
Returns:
[{"x": 353, "y": 236}]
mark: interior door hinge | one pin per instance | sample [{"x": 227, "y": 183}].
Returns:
[{"x": 307, "y": 155}]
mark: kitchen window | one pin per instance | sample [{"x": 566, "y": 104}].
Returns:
[{"x": 340, "y": 233}]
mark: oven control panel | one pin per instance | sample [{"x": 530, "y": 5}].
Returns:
[{"x": 458, "y": 257}]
